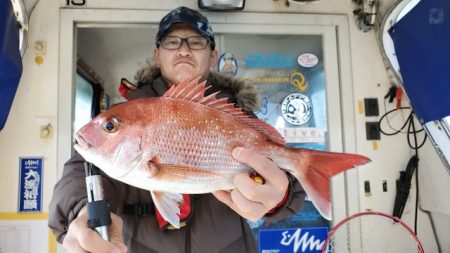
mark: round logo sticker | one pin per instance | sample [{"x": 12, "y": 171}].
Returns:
[
  {"x": 296, "y": 109},
  {"x": 227, "y": 64},
  {"x": 307, "y": 60}
]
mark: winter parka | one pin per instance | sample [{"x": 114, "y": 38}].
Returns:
[{"x": 211, "y": 225}]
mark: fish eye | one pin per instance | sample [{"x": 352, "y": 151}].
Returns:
[{"x": 111, "y": 125}]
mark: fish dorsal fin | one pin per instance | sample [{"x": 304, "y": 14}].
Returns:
[{"x": 194, "y": 91}]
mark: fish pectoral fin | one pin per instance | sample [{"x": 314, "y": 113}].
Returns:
[
  {"x": 176, "y": 172},
  {"x": 167, "y": 205},
  {"x": 152, "y": 166}
]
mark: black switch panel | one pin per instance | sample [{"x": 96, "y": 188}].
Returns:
[
  {"x": 371, "y": 106},
  {"x": 384, "y": 186},
  {"x": 372, "y": 131},
  {"x": 367, "y": 187}
]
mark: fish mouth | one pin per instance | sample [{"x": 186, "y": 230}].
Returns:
[{"x": 82, "y": 142}]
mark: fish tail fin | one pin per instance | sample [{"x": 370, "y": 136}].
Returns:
[{"x": 314, "y": 168}]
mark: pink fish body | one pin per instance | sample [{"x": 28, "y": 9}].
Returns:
[{"x": 182, "y": 143}]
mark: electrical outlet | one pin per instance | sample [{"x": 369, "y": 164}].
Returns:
[
  {"x": 372, "y": 131},
  {"x": 371, "y": 107}
]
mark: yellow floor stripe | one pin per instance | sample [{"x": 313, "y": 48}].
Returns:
[
  {"x": 23, "y": 216},
  {"x": 51, "y": 242}
]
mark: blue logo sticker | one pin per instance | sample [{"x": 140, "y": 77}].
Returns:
[
  {"x": 305, "y": 240},
  {"x": 257, "y": 60},
  {"x": 30, "y": 187},
  {"x": 227, "y": 64}
]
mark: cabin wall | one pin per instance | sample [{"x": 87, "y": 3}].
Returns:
[
  {"x": 35, "y": 104},
  {"x": 36, "y": 101}
]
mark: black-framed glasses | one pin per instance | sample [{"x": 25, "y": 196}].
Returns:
[{"x": 174, "y": 42}]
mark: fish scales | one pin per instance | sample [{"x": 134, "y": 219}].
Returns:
[{"x": 202, "y": 138}]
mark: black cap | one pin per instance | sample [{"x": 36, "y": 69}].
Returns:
[{"x": 189, "y": 17}]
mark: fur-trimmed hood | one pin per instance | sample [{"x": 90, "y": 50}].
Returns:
[{"x": 247, "y": 96}]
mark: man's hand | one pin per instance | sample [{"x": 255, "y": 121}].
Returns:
[
  {"x": 250, "y": 199},
  {"x": 82, "y": 239}
]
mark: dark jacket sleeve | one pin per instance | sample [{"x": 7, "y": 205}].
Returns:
[
  {"x": 69, "y": 196},
  {"x": 292, "y": 204}
]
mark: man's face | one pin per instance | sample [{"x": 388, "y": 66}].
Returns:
[{"x": 184, "y": 63}]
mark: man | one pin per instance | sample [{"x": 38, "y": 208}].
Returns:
[{"x": 211, "y": 222}]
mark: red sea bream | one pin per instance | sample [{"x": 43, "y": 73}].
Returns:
[{"x": 182, "y": 143}]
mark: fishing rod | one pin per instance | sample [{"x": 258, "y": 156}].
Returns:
[{"x": 99, "y": 217}]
